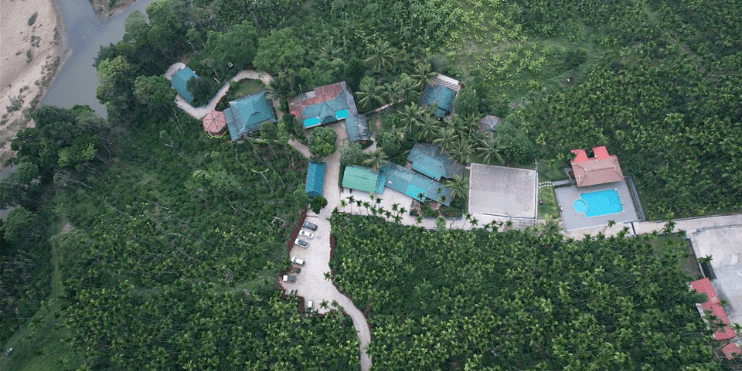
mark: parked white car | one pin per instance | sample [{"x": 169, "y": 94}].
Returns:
[
  {"x": 310, "y": 305},
  {"x": 306, "y": 234},
  {"x": 297, "y": 261}
]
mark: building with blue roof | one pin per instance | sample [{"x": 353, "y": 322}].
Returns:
[
  {"x": 430, "y": 160},
  {"x": 180, "y": 80},
  {"x": 440, "y": 96},
  {"x": 315, "y": 179},
  {"x": 417, "y": 186},
  {"x": 327, "y": 104},
  {"x": 247, "y": 114}
]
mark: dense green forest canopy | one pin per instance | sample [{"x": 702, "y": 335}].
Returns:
[
  {"x": 191, "y": 230},
  {"x": 517, "y": 300}
]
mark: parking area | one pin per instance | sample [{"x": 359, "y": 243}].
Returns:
[
  {"x": 502, "y": 191},
  {"x": 577, "y": 219},
  {"x": 724, "y": 246}
]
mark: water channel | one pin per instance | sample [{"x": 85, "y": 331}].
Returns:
[{"x": 77, "y": 80}]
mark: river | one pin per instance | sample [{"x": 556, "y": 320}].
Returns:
[{"x": 77, "y": 80}]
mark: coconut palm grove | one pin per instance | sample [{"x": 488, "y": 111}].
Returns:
[{"x": 142, "y": 241}]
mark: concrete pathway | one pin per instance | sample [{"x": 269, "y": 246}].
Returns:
[
  {"x": 199, "y": 112},
  {"x": 689, "y": 225}
]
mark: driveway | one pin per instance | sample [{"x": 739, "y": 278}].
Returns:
[
  {"x": 311, "y": 283},
  {"x": 199, "y": 112}
]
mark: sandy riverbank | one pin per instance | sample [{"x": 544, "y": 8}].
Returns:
[{"x": 31, "y": 53}]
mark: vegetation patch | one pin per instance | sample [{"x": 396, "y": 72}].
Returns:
[{"x": 525, "y": 299}]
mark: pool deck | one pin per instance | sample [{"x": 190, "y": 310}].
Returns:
[{"x": 566, "y": 196}]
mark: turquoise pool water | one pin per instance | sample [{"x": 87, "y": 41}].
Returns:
[
  {"x": 313, "y": 121},
  {"x": 599, "y": 203}
]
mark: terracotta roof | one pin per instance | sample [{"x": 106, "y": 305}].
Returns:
[
  {"x": 730, "y": 350},
  {"x": 603, "y": 168},
  {"x": 214, "y": 122},
  {"x": 581, "y": 155},
  {"x": 318, "y": 95},
  {"x": 704, "y": 286}
]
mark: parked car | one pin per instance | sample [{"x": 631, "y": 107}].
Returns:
[
  {"x": 310, "y": 305},
  {"x": 289, "y": 278},
  {"x": 301, "y": 243},
  {"x": 306, "y": 234},
  {"x": 309, "y": 225},
  {"x": 297, "y": 261}
]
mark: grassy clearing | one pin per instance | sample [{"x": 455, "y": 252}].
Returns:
[
  {"x": 549, "y": 209},
  {"x": 667, "y": 243},
  {"x": 551, "y": 170},
  {"x": 38, "y": 345},
  {"x": 247, "y": 87}
]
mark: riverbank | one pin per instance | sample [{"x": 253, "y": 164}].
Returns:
[
  {"x": 105, "y": 9},
  {"x": 33, "y": 50}
]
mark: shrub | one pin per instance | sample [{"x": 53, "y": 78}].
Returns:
[{"x": 32, "y": 20}]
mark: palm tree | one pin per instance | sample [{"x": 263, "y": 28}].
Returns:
[
  {"x": 460, "y": 151},
  {"x": 428, "y": 128},
  {"x": 423, "y": 74},
  {"x": 330, "y": 51},
  {"x": 343, "y": 203},
  {"x": 491, "y": 149},
  {"x": 459, "y": 186},
  {"x": 351, "y": 200},
  {"x": 412, "y": 114},
  {"x": 406, "y": 85},
  {"x": 368, "y": 94},
  {"x": 445, "y": 138},
  {"x": 382, "y": 56},
  {"x": 376, "y": 160}
]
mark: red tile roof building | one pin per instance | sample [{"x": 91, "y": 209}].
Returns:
[
  {"x": 603, "y": 168},
  {"x": 713, "y": 305}
]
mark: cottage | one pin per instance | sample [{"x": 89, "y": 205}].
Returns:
[
  {"x": 440, "y": 94},
  {"x": 327, "y": 104},
  {"x": 246, "y": 115},
  {"x": 180, "y": 80}
]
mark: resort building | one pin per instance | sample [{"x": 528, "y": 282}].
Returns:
[
  {"x": 315, "y": 179},
  {"x": 246, "y": 115},
  {"x": 600, "y": 169},
  {"x": 328, "y": 104},
  {"x": 431, "y": 161},
  {"x": 179, "y": 82},
  {"x": 440, "y": 94}
]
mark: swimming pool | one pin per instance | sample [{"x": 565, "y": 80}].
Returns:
[{"x": 599, "y": 203}]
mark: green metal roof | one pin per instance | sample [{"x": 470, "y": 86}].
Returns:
[
  {"x": 440, "y": 95},
  {"x": 408, "y": 182},
  {"x": 245, "y": 115},
  {"x": 357, "y": 127},
  {"x": 315, "y": 179},
  {"x": 428, "y": 159},
  {"x": 180, "y": 83},
  {"x": 360, "y": 178}
]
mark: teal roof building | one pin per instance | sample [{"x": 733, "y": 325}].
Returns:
[
  {"x": 315, "y": 179},
  {"x": 328, "y": 104},
  {"x": 441, "y": 96},
  {"x": 360, "y": 178},
  {"x": 429, "y": 160},
  {"x": 180, "y": 83},
  {"x": 247, "y": 114},
  {"x": 417, "y": 186}
]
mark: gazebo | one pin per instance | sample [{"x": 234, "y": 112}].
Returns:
[{"x": 214, "y": 123}]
